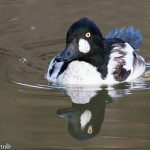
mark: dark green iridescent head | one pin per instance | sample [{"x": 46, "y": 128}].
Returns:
[
  {"x": 83, "y": 42},
  {"x": 80, "y": 28}
]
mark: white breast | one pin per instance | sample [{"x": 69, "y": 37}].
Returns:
[{"x": 80, "y": 73}]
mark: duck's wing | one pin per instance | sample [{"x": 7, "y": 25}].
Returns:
[
  {"x": 134, "y": 38},
  {"x": 56, "y": 69},
  {"x": 124, "y": 64}
]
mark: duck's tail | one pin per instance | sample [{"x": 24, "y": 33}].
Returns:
[{"x": 134, "y": 38}]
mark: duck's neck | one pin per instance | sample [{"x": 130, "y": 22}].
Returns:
[{"x": 99, "y": 60}]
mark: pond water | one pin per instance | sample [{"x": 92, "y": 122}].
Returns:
[{"x": 35, "y": 114}]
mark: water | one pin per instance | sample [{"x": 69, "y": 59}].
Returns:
[{"x": 35, "y": 114}]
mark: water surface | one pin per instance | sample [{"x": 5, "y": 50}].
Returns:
[{"x": 35, "y": 114}]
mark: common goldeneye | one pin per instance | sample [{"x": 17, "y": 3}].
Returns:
[{"x": 90, "y": 59}]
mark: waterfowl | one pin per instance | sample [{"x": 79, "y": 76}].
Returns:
[{"x": 90, "y": 59}]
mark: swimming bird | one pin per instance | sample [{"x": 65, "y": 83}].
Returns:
[{"x": 91, "y": 59}]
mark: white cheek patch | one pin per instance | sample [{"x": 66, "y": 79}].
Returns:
[
  {"x": 84, "y": 46},
  {"x": 85, "y": 118}
]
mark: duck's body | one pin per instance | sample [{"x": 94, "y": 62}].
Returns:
[{"x": 90, "y": 59}]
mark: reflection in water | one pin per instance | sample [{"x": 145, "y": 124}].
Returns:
[
  {"x": 86, "y": 115},
  {"x": 85, "y": 118}
]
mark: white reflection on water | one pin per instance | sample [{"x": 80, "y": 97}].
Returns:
[{"x": 86, "y": 115}]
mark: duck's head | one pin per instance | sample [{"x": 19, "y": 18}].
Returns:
[{"x": 84, "y": 41}]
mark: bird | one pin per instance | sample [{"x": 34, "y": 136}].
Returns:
[{"x": 91, "y": 59}]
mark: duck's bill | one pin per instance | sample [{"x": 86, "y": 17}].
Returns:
[
  {"x": 70, "y": 52},
  {"x": 68, "y": 113}
]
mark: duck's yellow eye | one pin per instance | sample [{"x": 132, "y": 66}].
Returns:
[
  {"x": 88, "y": 34},
  {"x": 90, "y": 130}
]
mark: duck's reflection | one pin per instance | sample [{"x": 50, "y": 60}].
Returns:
[{"x": 86, "y": 115}]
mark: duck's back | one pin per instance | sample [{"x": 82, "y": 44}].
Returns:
[
  {"x": 124, "y": 63},
  {"x": 130, "y": 36}
]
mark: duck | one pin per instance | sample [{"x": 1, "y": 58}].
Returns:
[{"x": 91, "y": 59}]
